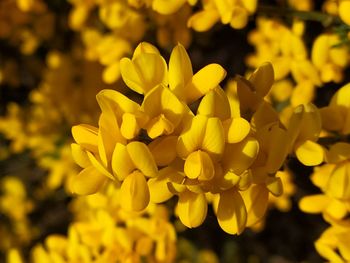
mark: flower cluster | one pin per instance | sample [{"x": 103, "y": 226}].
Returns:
[
  {"x": 333, "y": 178},
  {"x": 169, "y": 137},
  {"x": 183, "y": 139},
  {"x": 103, "y": 232}
]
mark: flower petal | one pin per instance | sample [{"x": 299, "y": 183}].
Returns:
[
  {"x": 214, "y": 137},
  {"x": 198, "y": 165},
  {"x": 240, "y": 156},
  {"x": 88, "y": 181},
  {"x": 99, "y": 167},
  {"x": 142, "y": 158},
  {"x": 338, "y": 184},
  {"x": 215, "y": 104},
  {"x": 79, "y": 155},
  {"x": 122, "y": 164},
  {"x": 310, "y": 153},
  {"x": 159, "y": 191},
  {"x": 86, "y": 136},
  {"x": 190, "y": 140},
  {"x": 180, "y": 71},
  {"x": 192, "y": 209},
  {"x": 203, "y": 81},
  {"x": 256, "y": 200},
  {"x": 134, "y": 192},
  {"x": 167, "y": 7},
  {"x": 262, "y": 79},
  {"x": 163, "y": 150},
  {"x": 144, "y": 72},
  {"x": 236, "y": 129},
  {"x": 314, "y": 204},
  {"x": 108, "y": 135},
  {"x": 203, "y": 20},
  {"x": 231, "y": 212}
]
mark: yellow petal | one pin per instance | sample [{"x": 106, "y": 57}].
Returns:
[
  {"x": 145, "y": 47},
  {"x": 129, "y": 128},
  {"x": 244, "y": 154},
  {"x": 111, "y": 73},
  {"x": 215, "y": 104},
  {"x": 282, "y": 90},
  {"x": 142, "y": 158},
  {"x": 321, "y": 175},
  {"x": 158, "y": 187},
  {"x": 239, "y": 17},
  {"x": 163, "y": 150},
  {"x": 158, "y": 126},
  {"x": 108, "y": 135},
  {"x": 192, "y": 209},
  {"x": 164, "y": 110},
  {"x": 180, "y": 71},
  {"x": 250, "y": 5},
  {"x": 320, "y": 51},
  {"x": 79, "y": 155},
  {"x": 198, "y": 165},
  {"x": 249, "y": 100},
  {"x": 88, "y": 181},
  {"x": 144, "y": 72},
  {"x": 203, "y": 20},
  {"x": 303, "y": 93},
  {"x": 203, "y": 81},
  {"x": 134, "y": 192},
  {"x": 86, "y": 136},
  {"x": 115, "y": 102},
  {"x": 344, "y": 7},
  {"x": 13, "y": 256},
  {"x": 192, "y": 137},
  {"x": 310, "y": 153},
  {"x": 333, "y": 117},
  {"x": 341, "y": 97},
  {"x": 336, "y": 209},
  {"x": 264, "y": 115},
  {"x": 314, "y": 204},
  {"x": 231, "y": 212},
  {"x": 99, "y": 166},
  {"x": 225, "y": 9},
  {"x": 256, "y": 201},
  {"x": 167, "y": 7},
  {"x": 275, "y": 186},
  {"x": 338, "y": 152},
  {"x": 278, "y": 148},
  {"x": 236, "y": 129},
  {"x": 262, "y": 79},
  {"x": 214, "y": 137},
  {"x": 338, "y": 184},
  {"x": 305, "y": 123},
  {"x": 122, "y": 164}
]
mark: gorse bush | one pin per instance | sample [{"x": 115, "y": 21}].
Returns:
[{"x": 125, "y": 126}]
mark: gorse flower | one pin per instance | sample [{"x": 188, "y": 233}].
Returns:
[
  {"x": 235, "y": 13},
  {"x": 165, "y": 147},
  {"x": 103, "y": 232}
]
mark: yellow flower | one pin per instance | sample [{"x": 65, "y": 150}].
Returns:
[
  {"x": 333, "y": 244},
  {"x": 167, "y": 7},
  {"x": 329, "y": 60},
  {"x": 235, "y": 13},
  {"x": 186, "y": 86},
  {"x": 231, "y": 148},
  {"x": 146, "y": 70},
  {"x": 336, "y": 117},
  {"x": 303, "y": 130},
  {"x": 164, "y": 111}
]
